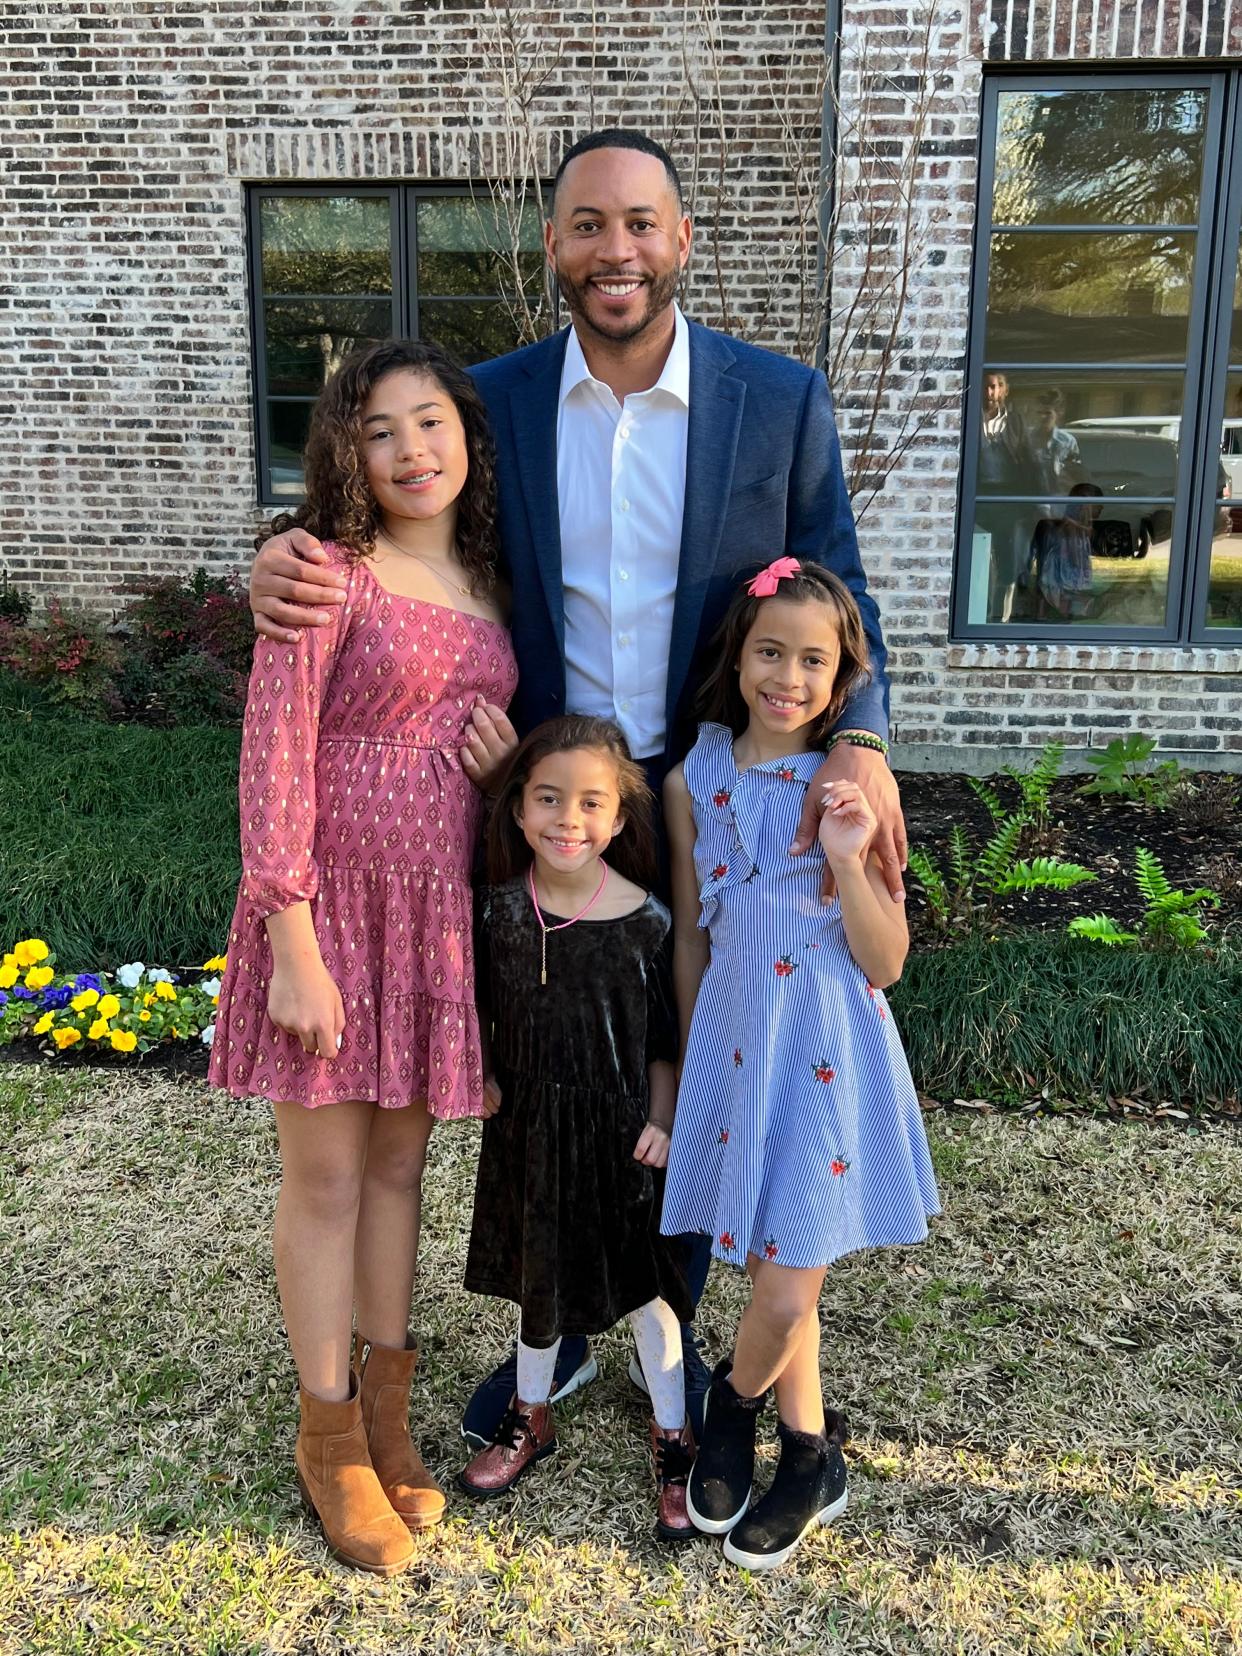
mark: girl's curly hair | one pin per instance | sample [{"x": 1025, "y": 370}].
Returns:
[{"x": 339, "y": 504}]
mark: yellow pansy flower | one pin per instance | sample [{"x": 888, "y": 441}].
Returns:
[
  {"x": 148, "y": 1000},
  {"x": 165, "y": 991},
  {"x": 8, "y": 974},
  {"x": 176, "y": 1032},
  {"x": 217, "y": 963},
  {"x": 144, "y": 1017},
  {"x": 88, "y": 997},
  {"x": 98, "y": 1029},
  {"x": 124, "y": 1040},
  {"x": 66, "y": 1037},
  {"x": 31, "y": 952},
  {"x": 109, "y": 1006},
  {"x": 38, "y": 977},
  {"x": 44, "y": 1024}
]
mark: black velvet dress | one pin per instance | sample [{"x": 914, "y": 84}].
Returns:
[{"x": 566, "y": 1222}]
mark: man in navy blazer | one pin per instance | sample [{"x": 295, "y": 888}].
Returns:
[{"x": 762, "y": 478}]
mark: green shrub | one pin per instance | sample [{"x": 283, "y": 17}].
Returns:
[
  {"x": 1009, "y": 1019},
  {"x": 1126, "y": 770},
  {"x": 69, "y": 657},
  {"x": 1171, "y": 918},
  {"x": 120, "y": 843}
]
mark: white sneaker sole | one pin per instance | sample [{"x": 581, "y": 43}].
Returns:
[
  {"x": 773, "y": 1560},
  {"x": 579, "y": 1378},
  {"x": 714, "y": 1526}
]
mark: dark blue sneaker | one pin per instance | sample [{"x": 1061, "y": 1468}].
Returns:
[
  {"x": 697, "y": 1375},
  {"x": 575, "y": 1366}
]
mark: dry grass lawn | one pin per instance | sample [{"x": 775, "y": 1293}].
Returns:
[{"x": 1046, "y": 1406}]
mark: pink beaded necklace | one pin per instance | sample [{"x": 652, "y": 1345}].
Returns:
[{"x": 544, "y": 928}]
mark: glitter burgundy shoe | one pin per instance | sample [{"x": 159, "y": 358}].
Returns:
[
  {"x": 526, "y": 1434},
  {"x": 673, "y": 1454}
]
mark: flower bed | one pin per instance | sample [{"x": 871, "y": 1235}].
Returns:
[{"x": 132, "y": 1011}]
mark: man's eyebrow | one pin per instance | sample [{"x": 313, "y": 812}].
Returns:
[{"x": 599, "y": 211}]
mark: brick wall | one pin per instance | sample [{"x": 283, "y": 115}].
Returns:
[
  {"x": 128, "y": 130},
  {"x": 972, "y": 705}
]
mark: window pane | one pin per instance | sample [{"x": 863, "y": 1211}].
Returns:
[
  {"x": 288, "y": 425},
  {"x": 1089, "y": 298},
  {"x": 308, "y": 339},
  {"x": 1091, "y": 561},
  {"x": 1224, "y": 599},
  {"x": 473, "y": 331},
  {"x": 1127, "y": 156},
  {"x": 468, "y": 244},
  {"x": 326, "y": 244},
  {"x": 1051, "y": 432}
]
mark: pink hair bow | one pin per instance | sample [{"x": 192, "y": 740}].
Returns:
[{"x": 765, "y": 582}]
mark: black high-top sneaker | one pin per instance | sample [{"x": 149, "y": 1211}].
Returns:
[
  {"x": 808, "y": 1489},
  {"x": 720, "y": 1482}
]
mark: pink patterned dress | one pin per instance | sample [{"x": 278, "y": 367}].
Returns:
[{"x": 353, "y": 799}]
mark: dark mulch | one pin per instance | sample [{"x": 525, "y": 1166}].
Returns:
[
  {"x": 1100, "y": 833},
  {"x": 177, "y": 1061}
]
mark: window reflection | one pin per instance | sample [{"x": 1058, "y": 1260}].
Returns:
[{"x": 1126, "y": 156}]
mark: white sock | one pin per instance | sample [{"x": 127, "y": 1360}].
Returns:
[
  {"x": 657, "y": 1334},
  {"x": 536, "y": 1366}
]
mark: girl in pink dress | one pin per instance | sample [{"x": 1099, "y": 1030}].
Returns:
[{"x": 349, "y": 994}]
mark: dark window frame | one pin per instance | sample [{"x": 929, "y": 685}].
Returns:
[
  {"x": 1208, "y": 327},
  {"x": 403, "y": 196}
]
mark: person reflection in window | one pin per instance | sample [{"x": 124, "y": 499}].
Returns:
[
  {"x": 1006, "y": 467},
  {"x": 1054, "y": 450},
  {"x": 1060, "y": 570}
]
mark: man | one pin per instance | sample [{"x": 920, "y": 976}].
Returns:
[{"x": 644, "y": 465}]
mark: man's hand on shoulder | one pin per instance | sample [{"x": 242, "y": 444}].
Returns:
[
  {"x": 290, "y": 585},
  {"x": 869, "y": 770}
]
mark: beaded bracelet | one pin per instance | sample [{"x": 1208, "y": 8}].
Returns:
[{"x": 859, "y": 738}]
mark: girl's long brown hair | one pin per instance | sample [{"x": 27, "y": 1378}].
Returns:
[
  {"x": 339, "y": 504},
  {"x": 720, "y": 697},
  {"x": 633, "y": 853}
]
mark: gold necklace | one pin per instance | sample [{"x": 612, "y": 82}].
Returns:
[{"x": 462, "y": 591}]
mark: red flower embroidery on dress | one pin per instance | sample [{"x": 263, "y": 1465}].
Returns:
[
  {"x": 737, "y": 1057},
  {"x": 824, "y": 1073},
  {"x": 770, "y": 1250},
  {"x": 720, "y": 870},
  {"x": 724, "y": 1136},
  {"x": 786, "y": 773},
  {"x": 721, "y": 798},
  {"x": 871, "y": 991},
  {"x": 784, "y": 966},
  {"x": 839, "y": 1167},
  {"x": 727, "y": 1241}
]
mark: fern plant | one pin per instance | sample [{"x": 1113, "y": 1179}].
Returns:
[
  {"x": 1035, "y": 786},
  {"x": 1125, "y": 770},
  {"x": 961, "y": 895},
  {"x": 1171, "y": 918}
]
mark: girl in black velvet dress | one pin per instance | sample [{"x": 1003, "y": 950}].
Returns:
[{"x": 574, "y": 984}]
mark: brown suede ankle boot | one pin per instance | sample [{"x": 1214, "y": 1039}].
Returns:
[
  {"x": 339, "y": 1485},
  {"x": 414, "y": 1494}
]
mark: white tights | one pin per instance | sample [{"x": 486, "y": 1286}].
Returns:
[{"x": 657, "y": 1334}]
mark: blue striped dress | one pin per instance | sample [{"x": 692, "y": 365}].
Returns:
[{"x": 798, "y": 1135}]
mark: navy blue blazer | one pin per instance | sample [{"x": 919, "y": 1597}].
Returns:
[{"x": 763, "y": 480}]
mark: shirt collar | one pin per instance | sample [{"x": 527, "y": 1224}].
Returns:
[{"x": 674, "y": 377}]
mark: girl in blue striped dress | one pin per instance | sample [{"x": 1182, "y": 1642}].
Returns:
[{"x": 798, "y": 1136}]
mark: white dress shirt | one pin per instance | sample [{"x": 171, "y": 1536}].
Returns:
[{"x": 621, "y": 483}]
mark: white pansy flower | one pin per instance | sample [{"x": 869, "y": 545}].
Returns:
[
  {"x": 208, "y": 1035},
  {"x": 130, "y": 976},
  {"x": 210, "y": 986},
  {"x": 160, "y": 974}
]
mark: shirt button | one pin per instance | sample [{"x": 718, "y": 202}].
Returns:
[
  {"x": 623, "y": 574},
  {"x": 625, "y": 505},
  {"x": 625, "y": 706}
]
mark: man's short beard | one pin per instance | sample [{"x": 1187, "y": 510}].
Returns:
[{"x": 661, "y": 291}]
